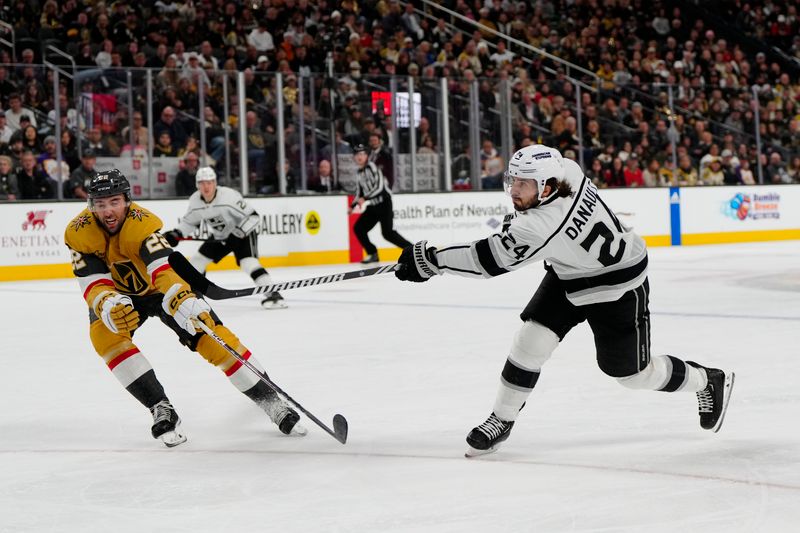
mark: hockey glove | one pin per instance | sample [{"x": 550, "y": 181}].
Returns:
[
  {"x": 185, "y": 308},
  {"x": 417, "y": 263},
  {"x": 173, "y": 237},
  {"x": 117, "y": 312},
  {"x": 246, "y": 227}
]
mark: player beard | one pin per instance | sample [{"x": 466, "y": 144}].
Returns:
[{"x": 519, "y": 206}]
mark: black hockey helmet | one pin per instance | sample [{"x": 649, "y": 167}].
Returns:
[
  {"x": 109, "y": 183},
  {"x": 359, "y": 148}
]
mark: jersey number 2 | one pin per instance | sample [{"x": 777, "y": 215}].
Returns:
[{"x": 600, "y": 230}]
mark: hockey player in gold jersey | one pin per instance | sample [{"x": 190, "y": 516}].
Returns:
[{"x": 120, "y": 260}]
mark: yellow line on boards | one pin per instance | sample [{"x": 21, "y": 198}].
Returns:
[{"x": 740, "y": 236}]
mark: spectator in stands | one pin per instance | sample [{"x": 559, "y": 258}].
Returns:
[
  {"x": 744, "y": 175},
  {"x": 9, "y": 190},
  {"x": 7, "y": 86},
  {"x": 5, "y": 130},
  {"x": 164, "y": 146},
  {"x": 15, "y": 112},
  {"x": 712, "y": 155},
  {"x": 79, "y": 179},
  {"x": 169, "y": 75},
  {"x": 185, "y": 183},
  {"x": 687, "y": 173},
  {"x": 794, "y": 169},
  {"x": 260, "y": 38},
  {"x": 48, "y": 150},
  {"x": 730, "y": 164},
  {"x": 138, "y": 131},
  {"x": 96, "y": 143},
  {"x": 616, "y": 175},
  {"x": 713, "y": 174},
  {"x": 14, "y": 149},
  {"x": 30, "y": 138},
  {"x": 595, "y": 173},
  {"x": 427, "y": 145},
  {"x": 168, "y": 123},
  {"x": 776, "y": 172},
  {"x": 33, "y": 183},
  {"x": 33, "y": 97},
  {"x": 256, "y": 151},
  {"x": 324, "y": 181},
  {"x": 650, "y": 175}
]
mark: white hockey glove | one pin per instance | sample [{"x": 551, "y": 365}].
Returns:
[
  {"x": 417, "y": 263},
  {"x": 185, "y": 308},
  {"x": 246, "y": 227},
  {"x": 117, "y": 312}
]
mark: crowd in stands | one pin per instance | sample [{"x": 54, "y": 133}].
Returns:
[{"x": 660, "y": 76}]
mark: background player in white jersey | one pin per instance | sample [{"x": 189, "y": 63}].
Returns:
[
  {"x": 374, "y": 196},
  {"x": 233, "y": 223},
  {"x": 596, "y": 271}
]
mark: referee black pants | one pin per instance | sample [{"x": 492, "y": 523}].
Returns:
[{"x": 378, "y": 213}]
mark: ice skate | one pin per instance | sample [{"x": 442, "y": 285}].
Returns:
[
  {"x": 166, "y": 424},
  {"x": 283, "y": 416},
  {"x": 371, "y": 258},
  {"x": 486, "y": 437},
  {"x": 713, "y": 400},
  {"x": 273, "y": 300}
]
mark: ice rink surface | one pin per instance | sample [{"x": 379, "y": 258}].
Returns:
[{"x": 413, "y": 367}]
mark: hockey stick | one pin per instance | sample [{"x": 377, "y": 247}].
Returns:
[
  {"x": 339, "y": 431},
  {"x": 202, "y": 284}
]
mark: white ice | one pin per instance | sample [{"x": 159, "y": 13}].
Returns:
[{"x": 413, "y": 367}]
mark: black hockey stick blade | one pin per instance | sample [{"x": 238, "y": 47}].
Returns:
[
  {"x": 202, "y": 284},
  {"x": 339, "y": 431},
  {"x": 340, "y": 428}
]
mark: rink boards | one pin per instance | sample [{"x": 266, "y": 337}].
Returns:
[{"x": 316, "y": 230}]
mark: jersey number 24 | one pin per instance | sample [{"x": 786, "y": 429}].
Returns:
[{"x": 601, "y": 231}]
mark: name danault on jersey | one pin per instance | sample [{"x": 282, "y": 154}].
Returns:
[{"x": 583, "y": 212}]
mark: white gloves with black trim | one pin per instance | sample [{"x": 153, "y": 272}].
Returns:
[
  {"x": 246, "y": 227},
  {"x": 185, "y": 308},
  {"x": 117, "y": 312},
  {"x": 417, "y": 263}
]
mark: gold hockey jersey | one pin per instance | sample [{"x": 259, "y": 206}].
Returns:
[{"x": 133, "y": 261}]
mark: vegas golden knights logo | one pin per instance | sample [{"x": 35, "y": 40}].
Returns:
[{"x": 128, "y": 278}]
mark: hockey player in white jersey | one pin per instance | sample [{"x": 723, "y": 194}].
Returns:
[
  {"x": 233, "y": 223},
  {"x": 596, "y": 271}
]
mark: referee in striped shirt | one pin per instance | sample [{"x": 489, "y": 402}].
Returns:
[{"x": 374, "y": 197}]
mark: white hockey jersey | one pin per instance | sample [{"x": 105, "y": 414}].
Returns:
[
  {"x": 596, "y": 257},
  {"x": 228, "y": 210}
]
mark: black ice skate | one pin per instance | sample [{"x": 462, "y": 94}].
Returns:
[
  {"x": 713, "y": 400},
  {"x": 283, "y": 416},
  {"x": 273, "y": 300},
  {"x": 166, "y": 424},
  {"x": 486, "y": 437},
  {"x": 371, "y": 258}
]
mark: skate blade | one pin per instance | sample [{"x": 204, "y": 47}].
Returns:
[
  {"x": 474, "y": 452},
  {"x": 274, "y": 305},
  {"x": 726, "y": 396},
  {"x": 172, "y": 439}
]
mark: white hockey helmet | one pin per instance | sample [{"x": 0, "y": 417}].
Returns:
[
  {"x": 535, "y": 162},
  {"x": 205, "y": 174}
]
